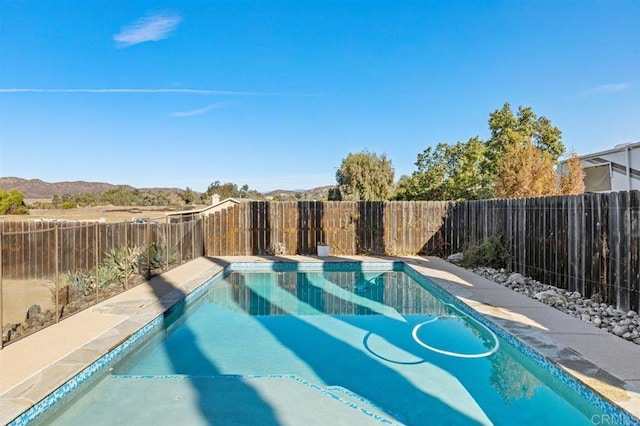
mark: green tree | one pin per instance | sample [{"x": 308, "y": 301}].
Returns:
[
  {"x": 518, "y": 160},
  {"x": 121, "y": 196},
  {"x": 522, "y": 154},
  {"x": 448, "y": 172},
  {"x": 189, "y": 196},
  {"x": 524, "y": 128},
  {"x": 12, "y": 202},
  {"x": 364, "y": 176},
  {"x": 230, "y": 190},
  {"x": 69, "y": 204}
]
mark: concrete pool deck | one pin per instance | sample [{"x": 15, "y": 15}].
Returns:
[{"x": 33, "y": 367}]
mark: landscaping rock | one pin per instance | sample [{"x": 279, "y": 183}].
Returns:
[
  {"x": 455, "y": 258},
  {"x": 602, "y": 315},
  {"x": 33, "y": 311},
  {"x": 552, "y": 298},
  {"x": 619, "y": 330},
  {"x": 516, "y": 278}
]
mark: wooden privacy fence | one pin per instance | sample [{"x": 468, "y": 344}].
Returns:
[
  {"x": 78, "y": 264},
  {"x": 391, "y": 228},
  {"x": 39, "y": 250},
  {"x": 587, "y": 243}
]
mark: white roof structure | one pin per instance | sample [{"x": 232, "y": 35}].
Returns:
[
  {"x": 216, "y": 205},
  {"x": 616, "y": 169}
]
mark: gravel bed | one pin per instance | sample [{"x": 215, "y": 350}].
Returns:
[{"x": 624, "y": 324}]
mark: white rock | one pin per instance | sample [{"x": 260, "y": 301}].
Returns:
[
  {"x": 619, "y": 330},
  {"x": 516, "y": 278},
  {"x": 550, "y": 296},
  {"x": 455, "y": 258}
]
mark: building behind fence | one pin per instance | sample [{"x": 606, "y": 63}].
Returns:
[{"x": 588, "y": 243}]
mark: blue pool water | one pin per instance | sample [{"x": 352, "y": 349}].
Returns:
[{"x": 325, "y": 347}]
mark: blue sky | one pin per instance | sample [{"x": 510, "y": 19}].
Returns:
[{"x": 276, "y": 94}]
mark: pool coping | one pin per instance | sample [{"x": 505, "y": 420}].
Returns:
[{"x": 579, "y": 349}]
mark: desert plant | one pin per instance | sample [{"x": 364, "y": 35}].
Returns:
[
  {"x": 120, "y": 264},
  {"x": 491, "y": 253},
  {"x": 73, "y": 284},
  {"x": 156, "y": 257},
  {"x": 69, "y": 204}
]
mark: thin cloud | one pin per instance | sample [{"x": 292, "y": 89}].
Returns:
[
  {"x": 198, "y": 111},
  {"x": 149, "y": 28},
  {"x": 611, "y": 88},
  {"x": 151, "y": 91}
]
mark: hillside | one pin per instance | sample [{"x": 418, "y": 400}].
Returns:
[
  {"x": 318, "y": 193},
  {"x": 36, "y": 188}
]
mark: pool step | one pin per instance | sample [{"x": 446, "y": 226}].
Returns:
[
  {"x": 223, "y": 399},
  {"x": 360, "y": 402}
]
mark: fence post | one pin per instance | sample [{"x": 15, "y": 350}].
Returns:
[
  {"x": 57, "y": 270},
  {"x": 193, "y": 239},
  {"x": 126, "y": 255},
  {"x": 1, "y": 292},
  {"x": 205, "y": 230},
  {"x": 97, "y": 246},
  {"x": 148, "y": 241}
]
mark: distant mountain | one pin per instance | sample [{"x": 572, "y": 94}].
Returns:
[
  {"x": 282, "y": 192},
  {"x": 36, "y": 188},
  {"x": 318, "y": 193}
]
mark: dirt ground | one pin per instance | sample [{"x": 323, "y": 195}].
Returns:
[
  {"x": 111, "y": 214},
  {"x": 19, "y": 295}
]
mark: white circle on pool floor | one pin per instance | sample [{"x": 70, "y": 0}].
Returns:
[
  {"x": 382, "y": 349},
  {"x": 420, "y": 342}
]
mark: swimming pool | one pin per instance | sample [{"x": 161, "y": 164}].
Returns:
[{"x": 326, "y": 343}]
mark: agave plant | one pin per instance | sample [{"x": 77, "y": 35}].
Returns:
[
  {"x": 73, "y": 284},
  {"x": 119, "y": 264},
  {"x": 155, "y": 258}
]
